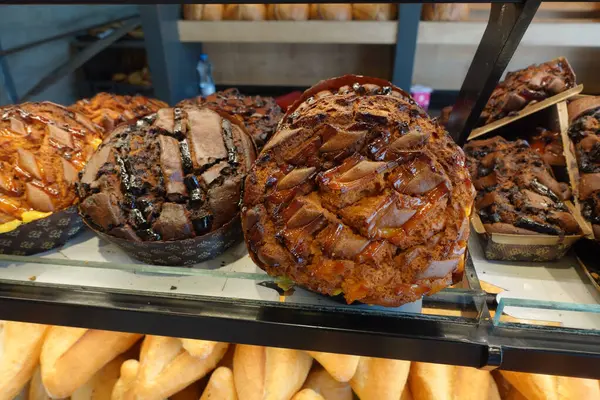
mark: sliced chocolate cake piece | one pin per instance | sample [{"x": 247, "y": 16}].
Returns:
[
  {"x": 584, "y": 131},
  {"x": 516, "y": 191},
  {"x": 527, "y": 86}
]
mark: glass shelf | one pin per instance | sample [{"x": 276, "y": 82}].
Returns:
[{"x": 92, "y": 283}]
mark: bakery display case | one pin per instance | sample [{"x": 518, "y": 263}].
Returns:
[{"x": 338, "y": 225}]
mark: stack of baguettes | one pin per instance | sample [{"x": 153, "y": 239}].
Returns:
[{"x": 51, "y": 362}]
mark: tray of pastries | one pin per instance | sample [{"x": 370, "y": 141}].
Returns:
[{"x": 524, "y": 207}]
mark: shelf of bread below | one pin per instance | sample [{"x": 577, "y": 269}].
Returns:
[{"x": 378, "y": 32}]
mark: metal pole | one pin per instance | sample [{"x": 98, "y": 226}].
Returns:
[
  {"x": 172, "y": 63},
  {"x": 409, "y": 16},
  {"x": 506, "y": 26}
]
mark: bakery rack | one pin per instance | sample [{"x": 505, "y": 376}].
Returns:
[{"x": 90, "y": 283}]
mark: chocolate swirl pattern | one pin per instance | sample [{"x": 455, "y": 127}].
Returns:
[
  {"x": 173, "y": 175},
  {"x": 359, "y": 192}
]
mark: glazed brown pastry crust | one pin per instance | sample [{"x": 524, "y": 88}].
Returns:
[
  {"x": 260, "y": 114},
  {"x": 516, "y": 191},
  {"x": 584, "y": 131},
  {"x": 43, "y": 146},
  {"x": 525, "y": 86},
  {"x": 359, "y": 192},
  {"x": 109, "y": 110},
  {"x": 549, "y": 145},
  {"x": 173, "y": 175}
]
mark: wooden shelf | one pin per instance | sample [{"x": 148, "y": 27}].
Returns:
[
  {"x": 378, "y": 32},
  {"x": 355, "y": 32}
]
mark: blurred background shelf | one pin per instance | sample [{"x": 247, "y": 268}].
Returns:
[{"x": 571, "y": 34}]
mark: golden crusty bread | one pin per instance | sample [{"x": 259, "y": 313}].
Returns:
[
  {"x": 101, "y": 385},
  {"x": 20, "y": 347},
  {"x": 168, "y": 365},
  {"x": 307, "y": 394},
  {"x": 71, "y": 356},
  {"x": 445, "y": 12},
  {"x": 36, "y": 389},
  {"x": 380, "y": 378},
  {"x": 448, "y": 382},
  {"x": 288, "y": 12},
  {"x": 334, "y": 12},
  {"x": 340, "y": 366},
  {"x": 203, "y": 12},
  {"x": 375, "y": 12},
  {"x": 220, "y": 386},
  {"x": 245, "y": 12},
  {"x": 266, "y": 373},
  {"x": 550, "y": 387},
  {"x": 321, "y": 382}
]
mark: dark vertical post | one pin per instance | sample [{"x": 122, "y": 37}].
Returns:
[
  {"x": 172, "y": 63},
  {"x": 9, "y": 83},
  {"x": 409, "y": 16},
  {"x": 506, "y": 27}
]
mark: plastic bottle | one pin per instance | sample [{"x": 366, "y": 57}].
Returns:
[{"x": 206, "y": 82}]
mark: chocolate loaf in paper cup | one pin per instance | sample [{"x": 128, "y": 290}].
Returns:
[
  {"x": 42, "y": 234},
  {"x": 167, "y": 188},
  {"x": 180, "y": 252}
]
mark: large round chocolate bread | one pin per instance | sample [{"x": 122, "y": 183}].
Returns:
[
  {"x": 173, "y": 175},
  {"x": 359, "y": 192},
  {"x": 260, "y": 114}
]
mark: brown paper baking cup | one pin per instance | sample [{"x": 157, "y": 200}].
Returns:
[
  {"x": 180, "y": 252},
  {"x": 42, "y": 234},
  {"x": 510, "y": 247}
]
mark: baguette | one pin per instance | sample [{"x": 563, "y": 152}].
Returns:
[
  {"x": 448, "y": 382},
  {"x": 36, "y": 390},
  {"x": 192, "y": 392},
  {"x": 245, "y": 12},
  {"x": 493, "y": 391},
  {"x": 407, "y": 395},
  {"x": 101, "y": 385},
  {"x": 129, "y": 371},
  {"x": 321, "y": 382},
  {"x": 375, "y": 12},
  {"x": 20, "y": 347},
  {"x": 380, "y": 379},
  {"x": 71, "y": 356},
  {"x": 341, "y": 367},
  {"x": 203, "y": 12},
  {"x": 266, "y": 373},
  {"x": 334, "y": 12},
  {"x": 220, "y": 386},
  {"x": 288, "y": 12},
  {"x": 307, "y": 394},
  {"x": 168, "y": 365},
  {"x": 532, "y": 386}
]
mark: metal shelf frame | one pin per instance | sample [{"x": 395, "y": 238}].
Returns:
[
  {"x": 172, "y": 63},
  {"x": 476, "y": 341}
]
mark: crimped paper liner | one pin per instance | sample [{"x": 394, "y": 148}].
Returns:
[
  {"x": 510, "y": 247},
  {"x": 180, "y": 252},
  {"x": 528, "y": 110},
  {"x": 42, "y": 234}
]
